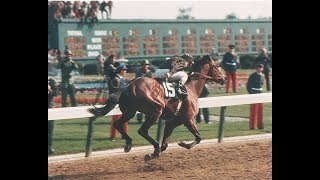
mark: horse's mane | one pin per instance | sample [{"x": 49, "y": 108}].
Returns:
[
  {"x": 195, "y": 72},
  {"x": 196, "y": 67}
]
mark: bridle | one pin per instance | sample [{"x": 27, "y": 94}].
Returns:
[{"x": 206, "y": 77}]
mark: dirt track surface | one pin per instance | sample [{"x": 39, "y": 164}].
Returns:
[{"x": 230, "y": 160}]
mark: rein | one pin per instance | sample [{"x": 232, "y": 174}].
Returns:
[{"x": 203, "y": 76}]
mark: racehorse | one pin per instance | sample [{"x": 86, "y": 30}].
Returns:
[{"x": 147, "y": 96}]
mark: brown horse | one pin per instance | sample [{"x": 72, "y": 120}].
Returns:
[{"x": 147, "y": 96}]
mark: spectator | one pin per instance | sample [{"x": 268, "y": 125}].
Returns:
[
  {"x": 110, "y": 5},
  {"x": 67, "y": 87},
  {"x": 103, "y": 6},
  {"x": 254, "y": 86},
  {"x": 75, "y": 8},
  {"x": 267, "y": 63},
  {"x": 58, "y": 16},
  {"x": 67, "y": 10},
  {"x": 57, "y": 10},
  {"x": 50, "y": 56},
  {"x": 229, "y": 64},
  {"x": 92, "y": 15},
  {"x": 214, "y": 55},
  {"x": 82, "y": 15},
  {"x": 110, "y": 67},
  {"x": 52, "y": 91},
  {"x": 143, "y": 71},
  {"x": 59, "y": 56},
  {"x": 117, "y": 83},
  {"x": 83, "y": 12},
  {"x": 205, "y": 92},
  {"x": 100, "y": 63}
]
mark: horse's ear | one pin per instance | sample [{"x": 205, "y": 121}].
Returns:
[{"x": 207, "y": 58}]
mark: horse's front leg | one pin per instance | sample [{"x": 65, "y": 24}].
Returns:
[
  {"x": 119, "y": 126},
  {"x": 194, "y": 130}
]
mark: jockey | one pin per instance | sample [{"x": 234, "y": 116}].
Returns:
[
  {"x": 174, "y": 68},
  {"x": 117, "y": 85}
]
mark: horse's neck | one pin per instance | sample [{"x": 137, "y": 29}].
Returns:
[{"x": 197, "y": 85}]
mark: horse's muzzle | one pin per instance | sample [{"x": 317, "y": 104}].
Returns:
[{"x": 223, "y": 81}]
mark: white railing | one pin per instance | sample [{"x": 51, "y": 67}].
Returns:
[
  {"x": 221, "y": 101},
  {"x": 81, "y": 112}
]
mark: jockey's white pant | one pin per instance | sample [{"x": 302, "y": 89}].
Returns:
[{"x": 180, "y": 75}]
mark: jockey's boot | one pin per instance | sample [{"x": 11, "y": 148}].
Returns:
[
  {"x": 181, "y": 91},
  {"x": 102, "y": 111},
  {"x": 108, "y": 107},
  {"x": 111, "y": 103}
]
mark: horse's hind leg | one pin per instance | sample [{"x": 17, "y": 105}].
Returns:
[
  {"x": 119, "y": 126},
  {"x": 170, "y": 126},
  {"x": 193, "y": 129},
  {"x": 144, "y": 132}
]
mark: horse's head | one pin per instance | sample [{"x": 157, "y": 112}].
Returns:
[{"x": 208, "y": 67}]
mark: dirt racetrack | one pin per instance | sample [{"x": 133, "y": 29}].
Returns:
[{"x": 227, "y": 160}]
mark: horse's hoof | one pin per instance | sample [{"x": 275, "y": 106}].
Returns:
[
  {"x": 184, "y": 144},
  {"x": 127, "y": 148},
  {"x": 155, "y": 155},
  {"x": 147, "y": 157},
  {"x": 164, "y": 147}
]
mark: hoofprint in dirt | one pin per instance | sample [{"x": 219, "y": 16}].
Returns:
[{"x": 228, "y": 160}]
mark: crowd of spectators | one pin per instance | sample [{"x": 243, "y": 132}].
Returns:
[
  {"x": 83, "y": 10},
  {"x": 53, "y": 55}
]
